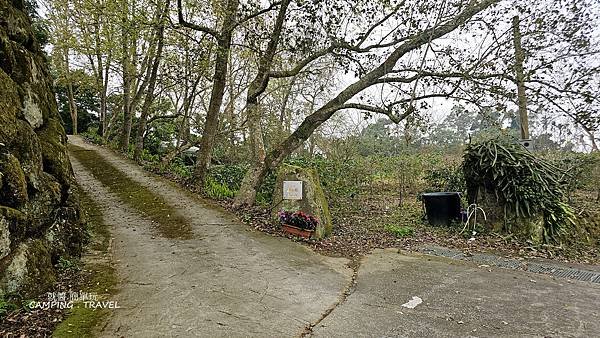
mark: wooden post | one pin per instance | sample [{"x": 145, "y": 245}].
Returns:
[{"x": 520, "y": 79}]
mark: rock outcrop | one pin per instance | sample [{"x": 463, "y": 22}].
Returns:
[
  {"x": 39, "y": 208},
  {"x": 313, "y": 201}
]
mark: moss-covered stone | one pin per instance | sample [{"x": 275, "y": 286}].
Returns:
[
  {"x": 313, "y": 199},
  {"x": 9, "y": 107},
  {"x": 13, "y": 190},
  {"x": 16, "y": 221},
  {"x": 4, "y": 238},
  {"x": 500, "y": 220},
  {"x": 30, "y": 270},
  {"x": 54, "y": 151},
  {"x": 26, "y": 148},
  {"x": 39, "y": 212}
]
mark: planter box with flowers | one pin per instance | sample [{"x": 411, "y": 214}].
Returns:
[
  {"x": 298, "y": 223},
  {"x": 313, "y": 202}
]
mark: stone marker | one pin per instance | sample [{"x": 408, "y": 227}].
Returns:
[{"x": 312, "y": 199}]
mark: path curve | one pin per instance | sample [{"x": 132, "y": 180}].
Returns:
[{"x": 226, "y": 280}]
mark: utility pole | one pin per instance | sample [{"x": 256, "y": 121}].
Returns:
[{"x": 520, "y": 79}]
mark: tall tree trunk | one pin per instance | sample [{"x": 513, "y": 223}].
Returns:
[
  {"x": 592, "y": 138},
  {"x": 149, "y": 98},
  {"x": 230, "y": 117},
  {"x": 100, "y": 88},
  {"x": 520, "y": 79},
  {"x": 127, "y": 113},
  {"x": 70, "y": 93},
  {"x": 102, "y": 84},
  {"x": 283, "y": 110},
  {"x": 256, "y": 88},
  {"x": 216, "y": 97}
]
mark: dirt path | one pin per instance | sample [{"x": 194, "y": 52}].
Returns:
[{"x": 222, "y": 280}]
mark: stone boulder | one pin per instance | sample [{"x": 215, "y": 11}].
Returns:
[
  {"x": 498, "y": 220},
  {"x": 39, "y": 206},
  {"x": 313, "y": 200}
]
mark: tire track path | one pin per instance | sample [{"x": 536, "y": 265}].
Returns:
[{"x": 220, "y": 279}]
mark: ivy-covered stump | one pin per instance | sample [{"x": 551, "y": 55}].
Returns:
[
  {"x": 313, "y": 200},
  {"x": 519, "y": 192}
]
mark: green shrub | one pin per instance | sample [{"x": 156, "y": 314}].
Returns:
[
  {"x": 216, "y": 190},
  {"x": 228, "y": 175},
  {"x": 582, "y": 170},
  {"x": 264, "y": 195},
  {"x": 446, "y": 178},
  {"x": 149, "y": 157},
  {"x": 179, "y": 169},
  {"x": 399, "y": 230},
  {"x": 339, "y": 178},
  {"x": 91, "y": 135},
  {"x": 523, "y": 184},
  {"x": 67, "y": 264},
  {"x": 6, "y": 306}
]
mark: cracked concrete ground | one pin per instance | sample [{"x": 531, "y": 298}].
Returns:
[
  {"x": 230, "y": 281},
  {"x": 460, "y": 299}
]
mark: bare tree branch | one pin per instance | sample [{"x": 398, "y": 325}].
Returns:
[
  {"x": 257, "y": 13},
  {"x": 194, "y": 26}
]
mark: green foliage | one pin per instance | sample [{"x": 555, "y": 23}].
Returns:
[
  {"x": 338, "y": 177},
  {"x": 6, "y": 306},
  {"x": 160, "y": 135},
  {"x": 399, "y": 230},
  {"x": 92, "y": 135},
  {"x": 524, "y": 184},
  {"x": 216, "y": 190},
  {"x": 179, "y": 169},
  {"x": 230, "y": 176},
  {"x": 455, "y": 129},
  {"x": 149, "y": 157},
  {"x": 39, "y": 26},
  {"x": 583, "y": 169},
  {"x": 445, "y": 178},
  {"x": 376, "y": 140},
  {"x": 67, "y": 264},
  {"x": 264, "y": 195},
  {"x": 86, "y": 100}
]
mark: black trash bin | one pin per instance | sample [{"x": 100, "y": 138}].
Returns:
[{"x": 442, "y": 207}]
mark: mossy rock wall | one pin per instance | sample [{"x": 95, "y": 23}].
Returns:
[
  {"x": 39, "y": 211},
  {"x": 497, "y": 221},
  {"x": 313, "y": 199}
]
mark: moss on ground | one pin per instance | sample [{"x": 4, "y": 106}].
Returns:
[
  {"x": 98, "y": 230},
  {"x": 153, "y": 206},
  {"x": 101, "y": 277},
  {"x": 81, "y": 322}
]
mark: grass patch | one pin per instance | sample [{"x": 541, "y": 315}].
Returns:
[
  {"x": 399, "y": 230},
  {"x": 170, "y": 224}
]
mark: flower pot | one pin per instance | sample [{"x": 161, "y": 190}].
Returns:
[{"x": 290, "y": 229}]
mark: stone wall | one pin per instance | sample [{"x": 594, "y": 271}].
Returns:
[{"x": 39, "y": 209}]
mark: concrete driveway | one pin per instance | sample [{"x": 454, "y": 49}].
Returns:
[{"x": 460, "y": 299}]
